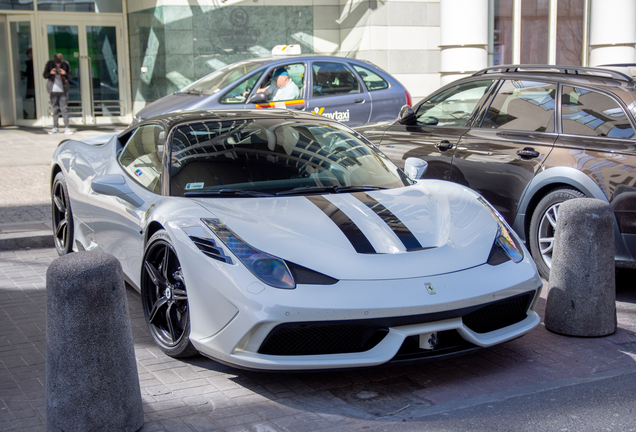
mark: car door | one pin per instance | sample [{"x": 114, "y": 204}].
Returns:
[
  {"x": 437, "y": 126},
  {"x": 502, "y": 153},
  {"x": 598, "y": 138},
  {"x": 337, "y": 93},
  {"x": 119, "y": 222}
]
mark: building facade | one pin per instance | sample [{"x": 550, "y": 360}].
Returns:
[{"x": 127, "y": 53}]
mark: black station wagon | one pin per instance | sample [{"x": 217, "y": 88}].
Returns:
[{"x": 527, "y": 138}]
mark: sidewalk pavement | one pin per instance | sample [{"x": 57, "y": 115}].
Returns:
[
  {"x": 202, "y": 395},
  {"x": 25, "y": 197}
]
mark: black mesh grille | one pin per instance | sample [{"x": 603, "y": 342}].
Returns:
[
  {"x": 499, "y": 314},
  {"x": 333, "y": 337},
  {"x": 322, "y": 338}
]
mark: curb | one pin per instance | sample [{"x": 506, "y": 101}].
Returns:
[{"x": 30, "y": 240}]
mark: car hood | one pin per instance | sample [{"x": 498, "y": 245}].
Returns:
[
  {"x": 173, "y": 103},
  {"x": 431, "y": 228}
]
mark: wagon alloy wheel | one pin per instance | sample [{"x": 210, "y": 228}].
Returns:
[
  {"x": 164, "y": 297},
  {"x": 62, "y": 216},
  {"x": 543, "y": 226}
]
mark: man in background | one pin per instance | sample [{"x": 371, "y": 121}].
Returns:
[{"x": 58, "y": 73}]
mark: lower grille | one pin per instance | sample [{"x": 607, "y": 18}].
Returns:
[
  {"x": 499, "y": 314},
  {"x": 322, "y": 338},
  {"x": 339, "y": 337}
]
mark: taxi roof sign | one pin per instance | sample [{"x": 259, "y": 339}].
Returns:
[{"x": 283, "y": 50}]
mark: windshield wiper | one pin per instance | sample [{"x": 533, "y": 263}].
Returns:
[
  {"x": 332, "y": 189},
  {"x": 226, "y": 192},
  {"x": 194, "y": 92}
]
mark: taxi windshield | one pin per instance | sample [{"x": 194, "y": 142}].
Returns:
[
  {"x": 218, "y": 80},
  {"x": 272, "y": 157}
]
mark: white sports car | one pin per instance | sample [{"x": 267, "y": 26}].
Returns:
[{"x": 282, "y": 240}]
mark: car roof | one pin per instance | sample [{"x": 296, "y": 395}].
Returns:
[
  {"x": 286, "y": 58},
  {"x": 173, "y": 119}
]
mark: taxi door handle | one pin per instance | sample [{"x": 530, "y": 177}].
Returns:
[
  {"x": 444, "y": 145},
  {"x": 528, "y": 153},
  {"x": 358, "y": 101}
]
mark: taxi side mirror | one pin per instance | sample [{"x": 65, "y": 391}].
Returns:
[
  {"x": 407, "y": 116},
  {"x": 258, "y": 98}
]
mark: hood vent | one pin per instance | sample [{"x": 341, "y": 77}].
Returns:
[{"x": 209, "y": 248}]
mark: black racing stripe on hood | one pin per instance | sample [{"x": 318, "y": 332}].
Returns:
[
  {"x": 357, "y": 238},
  {"x": 404, "y": 234}
]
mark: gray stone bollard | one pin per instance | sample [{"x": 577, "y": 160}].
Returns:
[
  {"x": 582, "y": 296},
  {"x": 91, "y": 372}
]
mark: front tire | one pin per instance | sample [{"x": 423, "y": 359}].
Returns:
[
  {"x": 164, "y": 298},
  {"x": 63, "y": 228},
  {"x": 543, "y": 226}
]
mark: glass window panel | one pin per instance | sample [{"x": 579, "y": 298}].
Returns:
[
  {"x": 587, "y": 112},
  {"x": 16, "y": 4},
  {"x": 502, "y": 36},
  {"x": 453, "y": 106},
  {"x": 23, "y": 70},
  {"x": 522, "y": 105},
  {"x": 372, "y": 80},
  {"x": 333, "y": 79},
  {"x": 81, "y": 5},
  {"x": 238, "y": 94},
  {"x": 569, "y": 32},
  {"x": 102, "y": 51},
  {"x": 534, "y": 31},
  {"x": 65, "y": 40},
  {"x": 142, "y": 156}
]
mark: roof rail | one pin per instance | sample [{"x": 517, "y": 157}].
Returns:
[{"x": 570, "y": 70}]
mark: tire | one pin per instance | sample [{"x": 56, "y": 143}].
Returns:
[
  {"x": 164, "y": 298},
  {"x": 543, "y": 224},
  {"x": 63, "y": 228}
]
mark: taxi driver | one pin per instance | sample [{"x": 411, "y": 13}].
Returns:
[{"x": 282, "y": 87}]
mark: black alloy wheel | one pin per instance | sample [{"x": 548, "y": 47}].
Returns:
[
  {"x": 62, "y": 216},
  {"x": 543, "y": 227},
  {"x": 165, "y": 299}
]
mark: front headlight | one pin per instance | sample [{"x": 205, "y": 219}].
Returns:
[
  {"x": 505, "y": 239},
  {"x": 268, "y": 268}
]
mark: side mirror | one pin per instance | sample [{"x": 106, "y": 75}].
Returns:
[
  {"x": 258, "y": 98},
  {"x": 407, "y": 116},
  {"x": 415, "y": 168},
  {"x": 115, "y": 185}
]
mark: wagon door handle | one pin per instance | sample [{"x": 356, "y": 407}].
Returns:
[
  {"x": 528, "y": 153},
  {"x": 444, "y": 145},
  {"x": 358, "y": 100}
]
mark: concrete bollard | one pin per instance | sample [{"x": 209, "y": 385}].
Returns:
[
  {"x": 91, "y": 373},
  {"x": 582, "y": 296}
]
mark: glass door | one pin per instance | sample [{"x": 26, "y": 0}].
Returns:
[
  {"x": 23, "y": 72},
  {"x": 94, "y": 49}
]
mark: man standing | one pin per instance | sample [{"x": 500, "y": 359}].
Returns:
[
  {"x": 282, "y": 88},
  {"x": 58, "y": 73}
]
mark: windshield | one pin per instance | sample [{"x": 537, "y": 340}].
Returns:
[
  {"x": 230, "y": 158},
  {"x": 218, "y": 80}
]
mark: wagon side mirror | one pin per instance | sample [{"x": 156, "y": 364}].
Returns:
[
  {"x": 407, "y": 115},
  {"x": 115, "y": 185},
  {"x": 415, "y": 168},
  {"x": 258, "y": 98}
]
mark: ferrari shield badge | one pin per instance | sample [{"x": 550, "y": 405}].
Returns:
[{"x": 429, "y": 288}]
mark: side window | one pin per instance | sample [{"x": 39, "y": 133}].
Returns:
[
  {"x": 522, "y": 105},
  {"x": 239, "y": 93},
  {"x": 372, "y": 80},
  {"x": 587, "y": 112},
  {"x": 142, "y": 156},
  {"x": 333, "y": 79},
  {"x": 453, "y": 106},
  {"x": 284, "y": 82}
]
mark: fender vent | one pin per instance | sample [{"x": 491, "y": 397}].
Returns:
[{"x": 209, "y": 248}]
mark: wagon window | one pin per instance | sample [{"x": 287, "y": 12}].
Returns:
[
  {"x": 142, "y": 156},
  {"x": 587, "y": 112}
]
